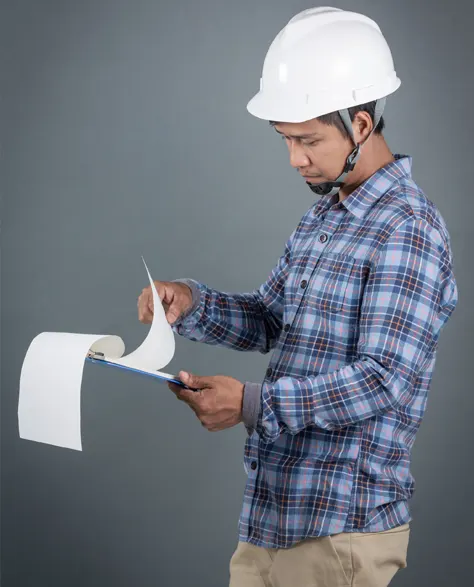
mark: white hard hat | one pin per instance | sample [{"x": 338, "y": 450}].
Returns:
[{"x": 324, "y": 60}]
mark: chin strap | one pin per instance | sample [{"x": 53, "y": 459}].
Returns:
[{"x": 330, "y": 188}]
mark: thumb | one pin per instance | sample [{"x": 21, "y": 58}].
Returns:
[
  {"x": 172, "y": 314},
  {"x": 194, "y": 381}
]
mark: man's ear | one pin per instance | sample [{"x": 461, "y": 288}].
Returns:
[{"x": 362, "y": 125}]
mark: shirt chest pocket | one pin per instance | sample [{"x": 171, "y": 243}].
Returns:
[{"x": 327, "y": 289}]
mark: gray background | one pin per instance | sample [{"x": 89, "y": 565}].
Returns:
[{"x": 124, "y": 133}]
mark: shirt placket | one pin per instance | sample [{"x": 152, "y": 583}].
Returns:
[{"x": 319, "y": 243}]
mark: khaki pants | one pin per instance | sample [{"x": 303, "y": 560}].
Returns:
[{"x": 355, "y": 559}]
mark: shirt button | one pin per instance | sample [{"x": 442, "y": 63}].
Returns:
[
  {"x": 287, "y": 327},
  {"x": 304, "y": 283},
  {"x": 323, "y": 237},
  {"x": 253, "y": 465},
  {"x": 269, "y": 372}
]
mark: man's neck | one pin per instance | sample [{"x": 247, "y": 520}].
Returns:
[{"x": 375, "y": 154}]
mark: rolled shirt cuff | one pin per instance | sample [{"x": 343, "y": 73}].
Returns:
[{"x": 251, "y": 405}]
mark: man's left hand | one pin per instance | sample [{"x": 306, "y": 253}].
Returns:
[{"x": 218, "y": 401}]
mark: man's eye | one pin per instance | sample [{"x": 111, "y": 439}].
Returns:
[{"x": 311, "y": 143}]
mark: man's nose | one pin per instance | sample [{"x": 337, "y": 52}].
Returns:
[{"x": 298, "y": 158}]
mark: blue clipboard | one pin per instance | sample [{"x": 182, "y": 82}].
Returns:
[{"x": 98, "y": 361}]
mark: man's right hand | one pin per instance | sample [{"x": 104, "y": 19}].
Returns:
[{"x": 176, "y": 298}]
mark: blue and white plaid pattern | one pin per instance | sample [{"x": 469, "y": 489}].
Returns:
[{"x": 352, "y": 312}]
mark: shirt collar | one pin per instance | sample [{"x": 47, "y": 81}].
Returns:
[{"x": 373, "y": 188}]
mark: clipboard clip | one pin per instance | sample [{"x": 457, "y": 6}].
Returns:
[{"x": 96, "y": 355}]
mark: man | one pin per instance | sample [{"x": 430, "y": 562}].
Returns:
[{"x": 352, "y": 311}]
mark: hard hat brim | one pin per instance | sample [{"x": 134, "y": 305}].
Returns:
[{"x": 285, "y": 107}]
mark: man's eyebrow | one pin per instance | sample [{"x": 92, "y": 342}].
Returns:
[{"x": 306, "y": 136}]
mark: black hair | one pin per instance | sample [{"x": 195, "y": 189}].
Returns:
[{"x": 334, "y": 119}]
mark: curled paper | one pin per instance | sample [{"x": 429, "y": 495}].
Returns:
[{"x": 51, "y": 376}]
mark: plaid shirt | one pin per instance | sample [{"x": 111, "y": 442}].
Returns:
[{"x": 352, "y": 312}]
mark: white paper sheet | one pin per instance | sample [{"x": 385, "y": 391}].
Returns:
[{"x": 49, "y": 406}]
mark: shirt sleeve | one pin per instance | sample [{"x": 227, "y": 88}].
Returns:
[
  {"x": 409, "y": 295},
  {"x": 241, "y": 321}
]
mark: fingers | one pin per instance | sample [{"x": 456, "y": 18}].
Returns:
[
  {"x": 198, "y": 402},
  {"x": 171, "y": 305},
  {"x": 175, "y": 298},
  {"x": 195, "y": 399},
  {"x": 172, "y": 314},
  {"x": 195, "y": 381},
  {"x": 145, "y": 313},
  {"x": 145, "y": 302},
  {"x": 167, "y": 297},
  {"x": 192, "y": 398}
]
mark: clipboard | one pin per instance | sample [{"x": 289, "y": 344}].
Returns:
[{"x": 99, "y": 359}]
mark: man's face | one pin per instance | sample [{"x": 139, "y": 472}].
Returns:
[{"x": 318, "y": 151}]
